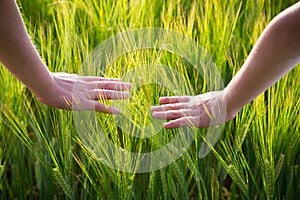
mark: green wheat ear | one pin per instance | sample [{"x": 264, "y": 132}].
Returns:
[
  {"x": 173, "y": 187},
  {"x": 112, "y": 173},
  {"x": 269, "y": 180},
  {"x": 191, "y": 166},
  {"x": 240, "y": 138},
  {"x": 62, "y": 182},
  {"x": 178, "y": 173},
  {"x": 164, "y": 183},
  {"x": 152, "y": 180},
  {"x": 2, "y": 166},
  {"x": 38, "y": 174},
  {"x": 278, "y": 166},
  {"x": 2, "y": 170},
  {"x": 237, "y": 178},
  {"x": 290, "y": 177}
]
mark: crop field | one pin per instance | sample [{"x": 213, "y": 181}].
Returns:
[{"x": 47, "y": 153}]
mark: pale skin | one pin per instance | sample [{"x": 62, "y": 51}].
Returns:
[
  {"x": 275, "y": 53},
  {"x": 19, "y": 56}
]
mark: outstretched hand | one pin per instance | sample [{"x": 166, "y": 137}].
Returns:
[
  {"x": 71, "y": 91},
  {"x": 200, "y": 111}
]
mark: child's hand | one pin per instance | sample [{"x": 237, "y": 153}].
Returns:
[
  {"x": 195, "y": 111},
  {"x": 88, "y": 89}
]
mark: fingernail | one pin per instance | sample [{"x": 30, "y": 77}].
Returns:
[
  {"x": 167, "y": 125},
  {"x": 153, "y": 108},
  {"x": 154, "y": 114},
  {"x": 161, "y": 99}
]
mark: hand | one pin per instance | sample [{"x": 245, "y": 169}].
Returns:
[
  {"x": 88, "y": 89},
  {"x": 200, "y": 111}
]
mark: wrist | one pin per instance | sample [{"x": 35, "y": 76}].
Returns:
[
  {"x": 42, "y": 84},
  {"x": 231, "y": 110}
]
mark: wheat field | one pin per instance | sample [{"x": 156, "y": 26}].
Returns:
[{"x": 43, "y": 156}]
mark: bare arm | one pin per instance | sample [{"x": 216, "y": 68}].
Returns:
[
  {"x": 17, "y": 52},
  {"x": 276, "y": 52},
  {"x": 19, "y": 55}
]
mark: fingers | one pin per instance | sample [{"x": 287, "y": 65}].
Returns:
[
  {"x": 107, "y": 94},
  {"x": 96, "y": 106},
  {"x": 99, "y": 88},
  {"x": 107, "y": 88},
  {"x": 174, "y": 114},
  {"x": 183, "y": 111},
  {"x": 110, "y": 85},
  {"x": 75, "y": 77},
  {"x": 173, "y": 106},
  {"x": 106, "y": 109},
  {"x": 174, "y": 99},
  {"x": 188, "y": 121},
  {"x": 71, "y": 91},
  {"x": 96, "y": 78},
  {"x": 119, "y": 86}
]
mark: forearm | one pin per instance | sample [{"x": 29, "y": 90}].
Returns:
[
  {"x": 17, "y": 52},
  {"x": 276, "y": 52}
]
